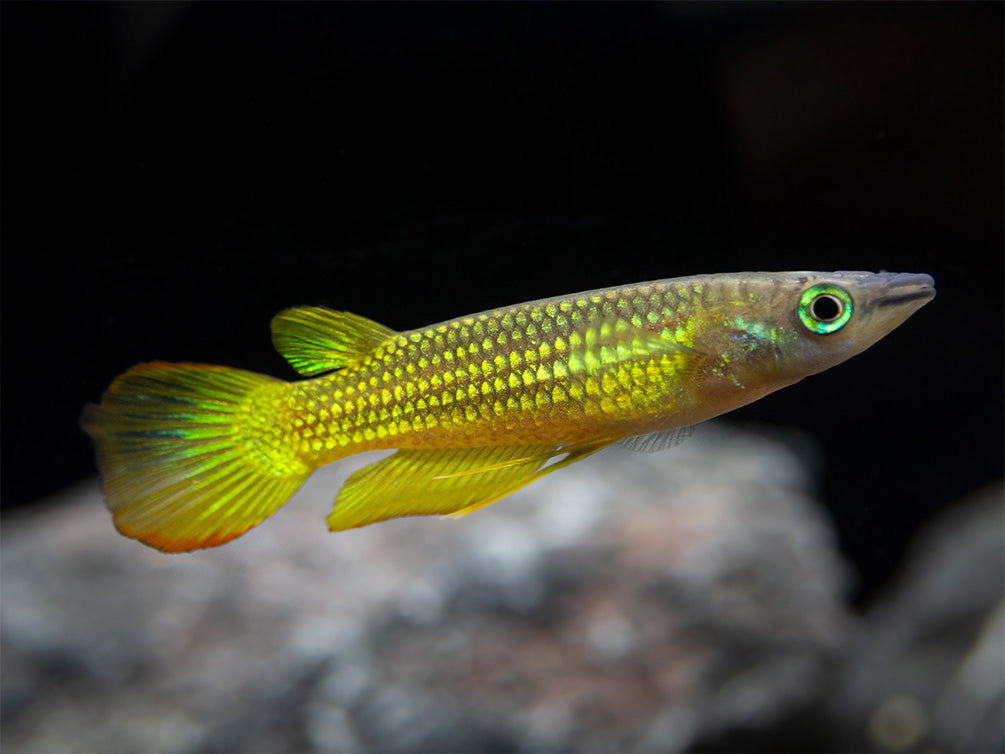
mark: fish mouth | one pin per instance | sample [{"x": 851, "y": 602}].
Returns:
[{"x": 904, "y": 287}]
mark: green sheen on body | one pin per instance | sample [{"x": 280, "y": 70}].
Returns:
[{"x": 477, "y": 407}]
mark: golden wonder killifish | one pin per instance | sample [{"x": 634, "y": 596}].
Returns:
[{"x": 192, "y": 455}]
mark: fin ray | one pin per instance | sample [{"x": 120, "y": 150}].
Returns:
[
  {"x": 450, "y": 482},
  {"x": 570, "y": 457},
  {"x": 175, "y": 448},
  {"x": 314, "y": 339},
  {"x": 657, "y": 441}
]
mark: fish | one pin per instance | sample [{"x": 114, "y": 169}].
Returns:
[{"x": 192, "y": 455}]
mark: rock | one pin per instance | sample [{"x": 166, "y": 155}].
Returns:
[
  {"x": 927, "y": 672},
  {"x": 632, "y": 602}
]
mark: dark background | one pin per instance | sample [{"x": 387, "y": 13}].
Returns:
[{"x": 175, "y": 174}]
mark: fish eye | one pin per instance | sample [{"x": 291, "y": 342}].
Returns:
[{"x": 824, "y": 309}]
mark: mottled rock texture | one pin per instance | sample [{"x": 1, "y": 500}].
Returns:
[{"x": 690, "y": 599}]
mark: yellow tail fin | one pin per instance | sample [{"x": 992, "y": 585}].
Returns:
[{"x": 187, "y": 453}]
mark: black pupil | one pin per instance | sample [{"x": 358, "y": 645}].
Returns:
[{"x": 826, "y": 308}]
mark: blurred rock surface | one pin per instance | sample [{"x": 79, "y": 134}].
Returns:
[
  {"x": 631, "y": 603},
  {"x": 927, "y": 672}
]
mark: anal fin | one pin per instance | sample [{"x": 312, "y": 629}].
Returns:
[{"x": 451, "y": 482}]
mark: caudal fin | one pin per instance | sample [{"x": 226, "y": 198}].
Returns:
[{"x": 187, "y": 454}]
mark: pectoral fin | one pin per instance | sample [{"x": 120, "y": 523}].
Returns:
[
  {"x": 657, "y": 441},
  {"x": 450, "y": 482}
]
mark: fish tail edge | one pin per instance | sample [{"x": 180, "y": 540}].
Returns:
[{"x": 188, "y": 453}]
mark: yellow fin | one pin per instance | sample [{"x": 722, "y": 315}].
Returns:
[
  {"x": 450, "y": 482},
  {"x": 315, "y": 339},
  {"x": 178, "y": 456}
]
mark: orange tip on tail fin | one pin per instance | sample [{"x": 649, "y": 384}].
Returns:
[{"x": 186, "y": 454}]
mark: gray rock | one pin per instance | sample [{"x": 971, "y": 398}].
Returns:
[
  {"x": 632, "y": 602},
  {"x": 927, "y": 672}
]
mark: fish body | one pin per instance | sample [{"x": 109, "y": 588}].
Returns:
[{"x": 477, "y": 407}]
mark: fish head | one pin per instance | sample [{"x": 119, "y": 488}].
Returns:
[{"x": 785, "y": 326}]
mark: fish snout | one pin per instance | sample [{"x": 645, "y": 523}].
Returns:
[{"x": 904, "y": 287}]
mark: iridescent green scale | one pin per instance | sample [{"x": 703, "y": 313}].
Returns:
[{"x": 537, "y": 373}]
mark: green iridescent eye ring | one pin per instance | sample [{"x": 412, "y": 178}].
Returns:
[{"x": 825, "y": 308}]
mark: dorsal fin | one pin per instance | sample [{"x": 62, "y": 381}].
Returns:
[{"x": 315, "y": 339}]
